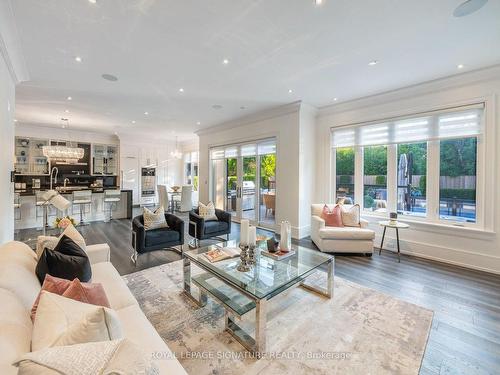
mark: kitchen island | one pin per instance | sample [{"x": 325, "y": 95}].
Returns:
[{"x": 28, "y": 215}]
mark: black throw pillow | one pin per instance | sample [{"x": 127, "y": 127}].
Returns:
[{"x": 67, "y": 261}]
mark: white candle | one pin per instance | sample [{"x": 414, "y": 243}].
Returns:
[
  {"x": 252, "y": 236},
  {"x": 244, "y": 225}
]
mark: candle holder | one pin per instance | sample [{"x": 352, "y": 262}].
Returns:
[
  {"x": 244, "y": 266},
  {"x": 251, "y": 255}
]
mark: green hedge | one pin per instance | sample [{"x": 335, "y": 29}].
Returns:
[
  {"x": 345, "y": 180},
  {"x": 468, "y": 194},
  {"x": 380, "y": 180}
]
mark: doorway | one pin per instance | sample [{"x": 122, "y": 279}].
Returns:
[{"x": 243, "y": 181}]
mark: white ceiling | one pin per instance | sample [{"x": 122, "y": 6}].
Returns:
[{"x": 156, "y": 47}]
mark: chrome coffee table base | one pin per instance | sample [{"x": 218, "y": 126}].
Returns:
[{"x": 233, "y": 311}]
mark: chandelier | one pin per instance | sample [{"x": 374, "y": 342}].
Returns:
[
  {"x": 176, "y": 153},
  {"x": 63, "y": 153}
]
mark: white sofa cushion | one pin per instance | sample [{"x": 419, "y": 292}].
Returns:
[
  {"x": 15, "y": 329},
  {"x": 137, "y": 328},
  {"x": 17, "y": 272},
  {"x": 63, "y": 321},
  {"x": 119, "y": 296},
  {"x": 346, "y": 233}
]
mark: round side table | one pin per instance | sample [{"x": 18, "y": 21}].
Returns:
[{"x": 387, "y": 224}]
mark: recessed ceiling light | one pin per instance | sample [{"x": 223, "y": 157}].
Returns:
[
  {"x": 290, "y": 91},
  {"x": 146, "y": 113},
  {"x": 78, "y": 59},
  {"x": 133, "y": 121},
  {"x": 67, "y": 110},
  {"x": 468, "y": 7},
  {"x": 318, "y": 2},
  {"x": 335, "y": 99},
  {"x": 198, "y": 123},
  {"x": 217, "y": 106},
  {"x": 109, "y": 77},
  {"x": 225, "y": 61},
  {"x": 373, "y": 62},
  {"x": 181, "y": 90},
  {"x": 69, "y": 98},
  {"x": 93, "y": 1},
  {"x": 460, "y": 66},
  {"x": 15, "y": 120}
]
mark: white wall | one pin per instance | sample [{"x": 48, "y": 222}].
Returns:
[
  {"x": 470, "y": 248},
  {"x": 7, "y": 98},
  {"x": 294, "y": 154}
]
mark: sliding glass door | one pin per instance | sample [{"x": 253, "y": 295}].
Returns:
[{"x": 248, "y": 172}]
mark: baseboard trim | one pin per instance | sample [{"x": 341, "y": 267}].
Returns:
[{"x": 419, "y": 246}]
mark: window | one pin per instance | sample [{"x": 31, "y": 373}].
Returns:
[
  {"x": 393, "y": 162},
  {"x": 344, "y": 161},
  {"x": 375, "y": 178},
  {"x": 191, "y": 169},
  {"x": 457, "y": 180},
  {"x": 412, "y": 179}
]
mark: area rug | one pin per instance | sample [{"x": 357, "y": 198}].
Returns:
[{"x": 359, "y": 331}]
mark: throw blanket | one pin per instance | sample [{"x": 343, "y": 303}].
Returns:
[{"x": 105, "y": 357}]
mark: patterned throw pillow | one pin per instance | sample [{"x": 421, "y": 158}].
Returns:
[
  {"x": 351, "y": 215},
  {"x": 207, "y": 212},
  {"x": 333, "y": 217},
  {"x": 154, "y": 219}
]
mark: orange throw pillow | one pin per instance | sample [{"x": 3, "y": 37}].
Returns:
[
  {"x": 332, "y": 218},
  {"x": 92, "y": 293}
]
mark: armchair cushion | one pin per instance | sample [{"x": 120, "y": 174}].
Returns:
[
  {"x": 155, "y": 237},
  {"x": 215, "y": 226},
  {"x": 203, "y": 229},
  {"x": 207, "y": 211},
  {"x": 346, "y": 233}
]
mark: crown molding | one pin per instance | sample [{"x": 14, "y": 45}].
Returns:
[
  {"x": 10, "y": 45},
  {"x": 455, "y": 81},
  {"x": 267, "y": 114}
]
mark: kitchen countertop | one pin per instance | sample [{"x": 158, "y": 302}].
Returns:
[{"x": 31, "y": 192}]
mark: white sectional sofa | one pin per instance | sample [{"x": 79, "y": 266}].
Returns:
[
  {"x": 340, "y": 239},
  {"x": 19, "y": 288}
]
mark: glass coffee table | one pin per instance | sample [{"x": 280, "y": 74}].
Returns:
[{"x": 241, "y": 292}]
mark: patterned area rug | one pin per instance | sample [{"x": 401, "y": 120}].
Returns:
[{"x": 359, "y": 331}]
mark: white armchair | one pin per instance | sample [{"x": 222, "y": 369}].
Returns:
[{"x": 340, "y": 239}]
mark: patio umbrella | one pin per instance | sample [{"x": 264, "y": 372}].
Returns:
[{"x": 402, "y": 181}]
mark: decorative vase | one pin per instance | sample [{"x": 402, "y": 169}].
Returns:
[{"x": 285, "y": 236}]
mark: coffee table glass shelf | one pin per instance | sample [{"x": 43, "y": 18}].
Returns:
[{"x": 241, "y": 292}]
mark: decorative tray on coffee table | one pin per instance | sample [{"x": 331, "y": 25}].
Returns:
[{"x": 278, "y": 255}]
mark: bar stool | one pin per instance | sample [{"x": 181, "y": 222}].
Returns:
[
  {"x": 111, "y": 199},
  {"x": 39, "y": 203},
  {"x": 82, "y": 198},
  {"x": 17, "y": 206}
]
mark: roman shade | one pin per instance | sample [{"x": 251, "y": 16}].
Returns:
[
  {"x": 250, "y": 149},
  {"x": 458, "y": 122}
]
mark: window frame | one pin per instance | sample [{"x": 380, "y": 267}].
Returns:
[{"x": 483, "y": 216}]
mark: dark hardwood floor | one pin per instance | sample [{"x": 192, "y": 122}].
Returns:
[{"x": 465, "y": 334}]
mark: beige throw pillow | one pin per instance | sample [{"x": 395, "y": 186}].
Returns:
[
  {"x": 207, "y": 211},
  {"x": 154, "y": 219},
  {"x": 351, "y": 215},
  {"x": 63, "y": 321},
  {"x": 50, "y": 242}
]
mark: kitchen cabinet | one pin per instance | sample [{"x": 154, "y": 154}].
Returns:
[
  {"x": 105, "y": 160},
  {"x": 29, "y": 157}
]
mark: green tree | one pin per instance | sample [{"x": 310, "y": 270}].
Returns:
[
  {"x": 267, "y": 169},
  {"x": 458, "y": 157},
  {"x": 375, "y": 160},
  {"x": 345, "y": 161}
]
